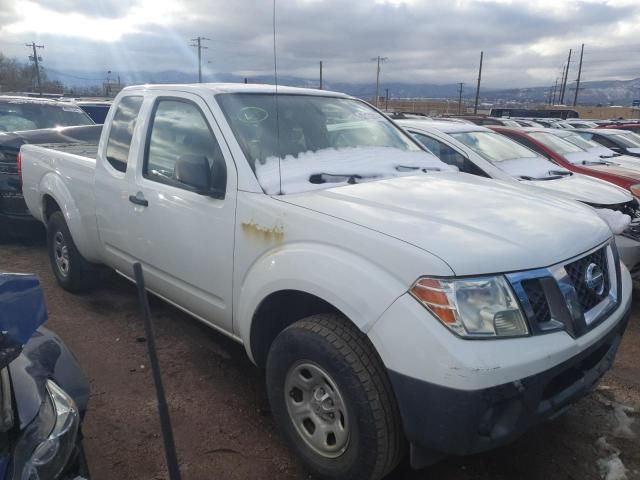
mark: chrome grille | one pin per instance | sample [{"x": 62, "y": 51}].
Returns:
[{"x": 577, "y": 272}]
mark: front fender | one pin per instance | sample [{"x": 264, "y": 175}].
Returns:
[
  {"x": 52, "y": 185},
  {"x": 45, "y": 357},
  {"x": 359, "y": 288}
]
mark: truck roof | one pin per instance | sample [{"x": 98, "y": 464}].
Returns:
[
  {"x": 35, "y": 100},
  {"x": 216, "y": 88}
]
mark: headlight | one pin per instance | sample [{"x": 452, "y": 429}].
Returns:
[
  {"x": 472, "y": 307},
  {"x": 635, "y": 190},
  {"x": 47, "y": 444}
]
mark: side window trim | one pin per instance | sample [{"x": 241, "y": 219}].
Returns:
[{"x": 147, "y": 142}]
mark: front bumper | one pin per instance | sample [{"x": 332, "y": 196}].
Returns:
[
  {"x": 444, "y": 421},
  {"x": 458, "y": 396}
]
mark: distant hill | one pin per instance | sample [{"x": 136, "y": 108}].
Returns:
[{"x": 606, "y": 92}]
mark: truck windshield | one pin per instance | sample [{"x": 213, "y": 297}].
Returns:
[
  {"x": 307, "y": 142},
  {"x": 17, "y": 115}
]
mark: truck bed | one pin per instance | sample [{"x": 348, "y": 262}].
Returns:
[{"x": 87, "y": 150}]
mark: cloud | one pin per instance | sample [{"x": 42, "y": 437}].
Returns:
[{"x": 435, "y": 41}]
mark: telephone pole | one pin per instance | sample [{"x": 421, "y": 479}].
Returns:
[
  {"x": 320, "y": 74},
  {"x": 386, "y": 99},
  {"x": 575, "y": 96},
  {"x": 198, "y": 44},
  {"x": 379, "y": 59},
  {"x": 36, "y": 59},
  {"x": 566, "y": 76},
  {"x": 475, "y": 106},
  {"x": 460, "y": 97}
]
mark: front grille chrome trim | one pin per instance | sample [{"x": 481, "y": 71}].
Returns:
[{"x": 563, "y": 301}]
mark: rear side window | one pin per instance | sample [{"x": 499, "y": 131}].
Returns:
[{"x": 122, "y": 127}]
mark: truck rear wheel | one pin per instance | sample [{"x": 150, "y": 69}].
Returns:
[
  {"x": 332, "y": 400},
  {"x": 73, "y": 272}
]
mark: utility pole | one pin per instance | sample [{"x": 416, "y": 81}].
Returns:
[
  {"x": 460, "y": 97},
  {"x": 566, "y": 76},
  {"x": 378, "y": 59},
  {"x": 475, "y": 106},
  {"x": 386, "y": 99},
  {"x": 575, "y": 97},
  {"x": 550, "y": 93},
  {"x": 320, "y": 74},
  {"x": 200, "y": 47},
  {"x": 36, "y": 59}
]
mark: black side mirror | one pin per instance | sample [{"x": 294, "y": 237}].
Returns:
[{"x": 194, "y": 171}]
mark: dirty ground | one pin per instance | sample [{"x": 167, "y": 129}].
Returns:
[{"x": 220, "y": 412}]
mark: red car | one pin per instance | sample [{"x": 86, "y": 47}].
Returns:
[
  {"x": 574, "y": 158},
  {"x": 633, "y": 127}
]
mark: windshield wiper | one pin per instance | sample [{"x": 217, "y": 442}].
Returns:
[
  {"x": 553, "y": 175},
  {"x": 404, "y": 168},
  {"x": 318, "y": 178}
]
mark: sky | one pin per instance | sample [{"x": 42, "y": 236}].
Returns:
[{"x": 525, "y": 43}]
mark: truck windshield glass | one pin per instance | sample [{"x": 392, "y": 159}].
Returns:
[
  {"x": 315, "y": 142},
  {"x": 26, "y": 115}
]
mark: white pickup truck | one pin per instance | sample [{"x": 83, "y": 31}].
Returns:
[{"x": 393, "y": 301}]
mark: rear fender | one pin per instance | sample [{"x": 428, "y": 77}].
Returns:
[{"x": 52, "y": 185}]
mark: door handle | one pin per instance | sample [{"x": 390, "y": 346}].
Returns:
[{"x": 138, "y": 200}]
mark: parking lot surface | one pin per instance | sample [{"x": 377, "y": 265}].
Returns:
[{"x": 220, "y": 412}]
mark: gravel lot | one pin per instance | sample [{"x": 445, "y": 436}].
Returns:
[{"x": 220, "y": 411}]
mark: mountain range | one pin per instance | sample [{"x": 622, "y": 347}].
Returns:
[{"x": 604, "y": 92}]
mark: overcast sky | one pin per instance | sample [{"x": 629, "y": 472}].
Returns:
[{"x": 426, "y": 41}]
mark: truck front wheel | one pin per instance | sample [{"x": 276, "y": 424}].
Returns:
[
  {"x": 332, "y": 400},
  {"x": 72, "y": 271}
]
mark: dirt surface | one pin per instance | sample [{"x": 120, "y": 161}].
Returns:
[{"x": 220, "y": 412}]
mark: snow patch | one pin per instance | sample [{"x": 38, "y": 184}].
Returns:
[
  {"x": 610, "y": 465},
  {"x": 623, "y": 429},
  {"x": 331, "y": 167},
  {"x": 617, "y": 221}
]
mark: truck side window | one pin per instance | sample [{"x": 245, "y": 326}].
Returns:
[
  {"x": 122, "y": 127},
  {"x": 179, "y": 136}
]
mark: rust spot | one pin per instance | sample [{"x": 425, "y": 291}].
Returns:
[{"x": 262, "y": 233}]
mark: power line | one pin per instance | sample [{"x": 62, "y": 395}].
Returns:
[
  {"x": 379, "y": 59},
  {"x": 200, "y": 47},
  {"x": 35, "y": 58},
  {"x": 475, "y": 106},
  {"x": 575, "y": 97}
]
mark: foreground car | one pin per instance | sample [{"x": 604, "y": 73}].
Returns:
[
  {"x": 44, "y": 392},
  {"x": 391, "y": 299}
]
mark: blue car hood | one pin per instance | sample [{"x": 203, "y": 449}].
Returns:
[{"x": 22, "y": 311}]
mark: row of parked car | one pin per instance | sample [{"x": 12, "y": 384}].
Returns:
[{"x": 409, "y": 285}]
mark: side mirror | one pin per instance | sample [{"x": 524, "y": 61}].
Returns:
[{"x": 194, "y": 171}]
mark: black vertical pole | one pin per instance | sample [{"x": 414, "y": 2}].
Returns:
[
  {"x": 163, "y": 409},
  {"x": 475, "y": 106}
]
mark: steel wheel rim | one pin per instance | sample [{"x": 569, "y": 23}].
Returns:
[
  {"x": 61, "y": 254},
  {"x": 317, "y": 409}
]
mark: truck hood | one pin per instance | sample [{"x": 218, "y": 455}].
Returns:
[
  {"x": 475, "y": 225},
  {"x": 584, "y": 189}
]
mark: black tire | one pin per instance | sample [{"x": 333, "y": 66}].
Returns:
[
  {"x": 375, "y": 441},
  {"x": 79, "y": 275}
]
